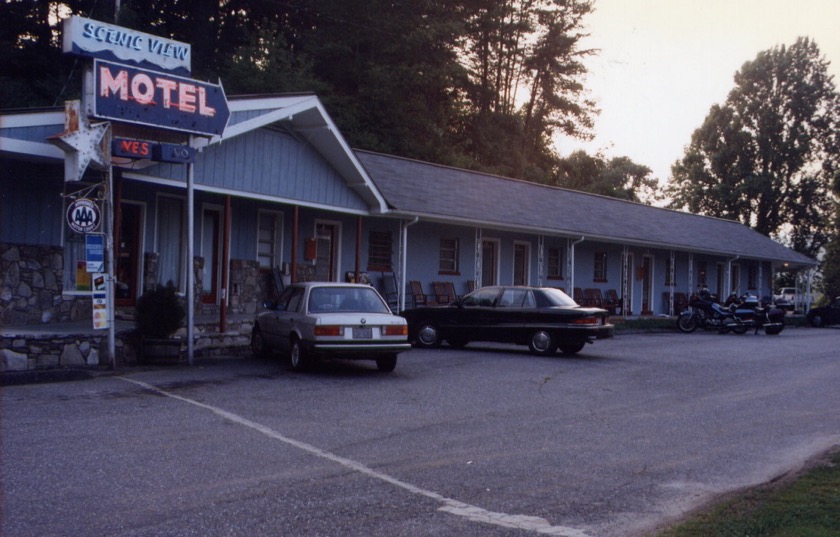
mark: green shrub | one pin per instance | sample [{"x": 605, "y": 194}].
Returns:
[{"x": 159, "y": 312}]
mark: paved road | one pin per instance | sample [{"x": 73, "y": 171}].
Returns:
[{"x": 487, "y": 441}]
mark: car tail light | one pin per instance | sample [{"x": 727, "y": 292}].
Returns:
[
  {"x": 586, "y": 320},
  {"x": 395, "y": 330},
  {"x": 329, "y": 330}
]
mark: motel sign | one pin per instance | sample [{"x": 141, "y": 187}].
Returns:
[{"x": 134, "y": 95}]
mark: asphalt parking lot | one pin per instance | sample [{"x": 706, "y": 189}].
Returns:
[{"x": 628, "y": 435}]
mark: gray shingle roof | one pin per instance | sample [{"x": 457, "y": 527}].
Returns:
[{"x": 444, "y": 194}]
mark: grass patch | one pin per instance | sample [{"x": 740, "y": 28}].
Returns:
[
  {"x": 806, "y": 505},
  {"x": 644, "y": 323}
]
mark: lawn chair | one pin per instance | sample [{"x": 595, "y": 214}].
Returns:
[
  {"x": 417, "y": 295},
  {"x": 594, "y": 297},
  {"x": 612, "y": 302},
  {"x": 444, "y": 292},
  {"x": 578, "y": 296},
  {"x": 388, "y": 289}
]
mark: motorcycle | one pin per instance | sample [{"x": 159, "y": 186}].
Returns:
[
  {"x": 704, "y": 311},
  {"x": 737, "y": 315},
  {"x": 760, "y": 315}
]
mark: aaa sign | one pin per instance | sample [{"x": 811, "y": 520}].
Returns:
[{"x": 132, "y": 95}]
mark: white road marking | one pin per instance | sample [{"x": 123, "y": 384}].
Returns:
[{"x": 470, "y": 512}]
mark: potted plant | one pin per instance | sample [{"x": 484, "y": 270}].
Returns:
[{"x": 159, "y": 313}]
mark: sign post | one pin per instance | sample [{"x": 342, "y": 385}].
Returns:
[{"x": 139, "y": 79}]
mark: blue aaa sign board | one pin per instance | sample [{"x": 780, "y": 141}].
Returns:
[
  {"x": 83, "y": 215},
  {"x": 133, "y": 95}
]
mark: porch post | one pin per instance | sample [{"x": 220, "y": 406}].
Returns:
[
  {"x": 358, "y": 246},
  {"x": 690, "y": 282},
  {"x": 477, "y": 273},
  {"x": 540, "y": 259},
  {"x": 225, "y": 265},
  {"x": 190, "y": 262},
  {"x": 671, "y": 285},
  {"x": 625, "y": 286},
  {"x": 295, "y": 217}
]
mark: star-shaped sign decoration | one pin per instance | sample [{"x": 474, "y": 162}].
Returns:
[{"x": 83, "y": 144}]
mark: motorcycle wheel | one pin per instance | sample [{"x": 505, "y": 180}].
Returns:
[
  {"x": 740, "y": 329},
  {"x": 687, "y": 323},
  {"x": 773, "y": 330}
]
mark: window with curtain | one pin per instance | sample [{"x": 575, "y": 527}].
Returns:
[
  {"x": 269, "y": 239},
  {"x": 555, "y": 264},
  {"x": 379, "y": 251},
  {"x": 600, "y": 267},
  {"x": 752, "y": 278},
  {"x": 448, "y": 256},
  {"x": 170, "y": 241},
  {"x": 76, "y": 276}
]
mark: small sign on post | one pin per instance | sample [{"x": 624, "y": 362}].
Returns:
[
  {"x": 95, "y": 252},
  {"x": 100, "y": 304}
]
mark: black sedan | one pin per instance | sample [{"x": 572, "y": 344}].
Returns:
[
  {"x": 825, "y": 315},
  {"x": 543, "y": 318}
]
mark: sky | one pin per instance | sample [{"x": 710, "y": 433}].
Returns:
[{"x": 664, "y": 63}]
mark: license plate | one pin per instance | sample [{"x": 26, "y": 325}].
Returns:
[{"x": 363, "y": 332}]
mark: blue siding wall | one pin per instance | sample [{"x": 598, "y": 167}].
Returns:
[
  {"x": 37, "y": 133},
  {"x": 269, "y": 163},
  {"x": 31, "y": 207}
]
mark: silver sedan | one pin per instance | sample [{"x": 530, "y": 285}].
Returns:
[{"x": 322, "y": 319}]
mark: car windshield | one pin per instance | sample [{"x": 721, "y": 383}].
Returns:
[
  {"x": 556, "y": 297},
  {"x": 345, "y": 299}
]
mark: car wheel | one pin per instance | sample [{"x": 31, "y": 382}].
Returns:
[
  {"x": 572, "y": 348},
  {"x": 428, "y": 335},
  {"x": 297, "y": 357},
  {"x": 816, "y": 320},
  {"x": 386, "y": 363},
  {"x": 542, "y": 343},
  {"x": 258, "y": 345},
  {"x": 457, "y": 342}
]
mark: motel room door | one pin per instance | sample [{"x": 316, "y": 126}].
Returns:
[
  {"x": 128, "y": 254},
  {"x": 489, "y": 262}
]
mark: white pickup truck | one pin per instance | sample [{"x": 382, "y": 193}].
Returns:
[{"x": 788, "y": 299}]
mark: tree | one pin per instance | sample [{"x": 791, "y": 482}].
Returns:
[
  {"x": 618, "y": 177},
  {"x": 830, "y": 266},
  {"x": 525, "y": 69},
  {"x": 766, "y": 157}
]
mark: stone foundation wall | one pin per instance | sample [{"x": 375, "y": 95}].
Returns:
[
  {"x": 31, "y": 287},
  {"x": 46, "y": 351},
  {"x": 248, "y": 287}
]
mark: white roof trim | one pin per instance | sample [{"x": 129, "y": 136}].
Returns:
[{"x": 35, "y": 149}]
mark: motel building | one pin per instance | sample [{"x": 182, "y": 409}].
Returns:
[{"x": 277, "y": 196}]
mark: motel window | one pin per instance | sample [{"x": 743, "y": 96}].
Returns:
[
  {"x": 600, "y": 267},
  {"x": 76, "y": 276},
  {"x": 448, "y": 256},
  {"x": 269, "y": 238},
  {"x": 555, "y": 264},
  {"x": 170, "y": 240},
  {"x": 380, "y": 248}
]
